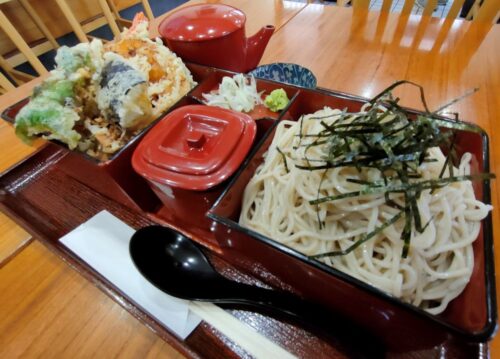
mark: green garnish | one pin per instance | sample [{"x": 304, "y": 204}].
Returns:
[
  {"x": 388, "y": 138},
  {"x": 276, "y": 100},
  {"x": 284, "y": 159}
]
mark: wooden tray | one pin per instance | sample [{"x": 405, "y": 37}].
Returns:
[{"x": 47, "y": 201}]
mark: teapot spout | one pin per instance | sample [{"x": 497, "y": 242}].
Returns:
[{"x": 256, "y": 45}]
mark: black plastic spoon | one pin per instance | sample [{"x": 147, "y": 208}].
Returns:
[{"x": 176, "y": 265}]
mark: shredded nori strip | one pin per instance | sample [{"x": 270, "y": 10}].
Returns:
[
  {"x": 284, "y": 159},
  {"x": 396, "y": 147},
  {"x": 415, "y": 187},
  {"x": 362, "y": 240}
]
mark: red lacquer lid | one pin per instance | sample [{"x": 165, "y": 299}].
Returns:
[
  {"x": 201, "y": 22},
  {"x": 195, "y": 147}
]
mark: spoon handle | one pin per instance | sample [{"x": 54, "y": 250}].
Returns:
[{"x": 311, "y": 315}]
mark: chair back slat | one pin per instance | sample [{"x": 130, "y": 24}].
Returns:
[
  {"x": 455, "y": 9},
  {"x": 429, "y": 7},
  {"x": 473, "y": 10},
  {"x": 482, "y": 10},
  {"x": 386, "y": 5},
  {"x": 488, "y": 11},
  {"x": 5, "y": 84},
  {"x": 361, "y": 3},
  {"x": 408, "y": 7}
]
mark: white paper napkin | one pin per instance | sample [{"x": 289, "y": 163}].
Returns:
[{"x": 103, "y": 243}]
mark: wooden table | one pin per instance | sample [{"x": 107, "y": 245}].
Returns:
[{"x": 349, "y": 50}]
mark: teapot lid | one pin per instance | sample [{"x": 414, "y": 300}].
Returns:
[{"x": 201, "y": 22}]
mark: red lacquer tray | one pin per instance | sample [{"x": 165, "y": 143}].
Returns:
[{"x": 47, "y": 195}]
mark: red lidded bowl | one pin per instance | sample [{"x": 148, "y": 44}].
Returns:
[{"x": 189, "y": 153}]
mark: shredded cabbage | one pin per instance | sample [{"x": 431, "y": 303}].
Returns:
[{"x": 238, "y": 93}]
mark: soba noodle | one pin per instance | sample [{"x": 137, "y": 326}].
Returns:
[{"x": 440, "y": 261}]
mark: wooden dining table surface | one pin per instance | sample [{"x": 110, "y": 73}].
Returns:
[{"x": 48, "y": 309}]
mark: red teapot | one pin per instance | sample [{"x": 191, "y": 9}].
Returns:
[{"x": 214, "y": 35}]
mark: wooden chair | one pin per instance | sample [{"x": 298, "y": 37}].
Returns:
[
  {"x": 110, "y": 13},
  {"x": 22, "y": 46},
  {"x": 482, "y": 10},
  {"x": 485, "y": 11},
  {"x": 114, "y": 18},
  {"x": 5, "y": 84},
  {"x": 18, "y": 77},
  {"x": 419, "y": 26}
]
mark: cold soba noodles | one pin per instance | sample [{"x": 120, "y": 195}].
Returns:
[{"x": 318, "y": 211}]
